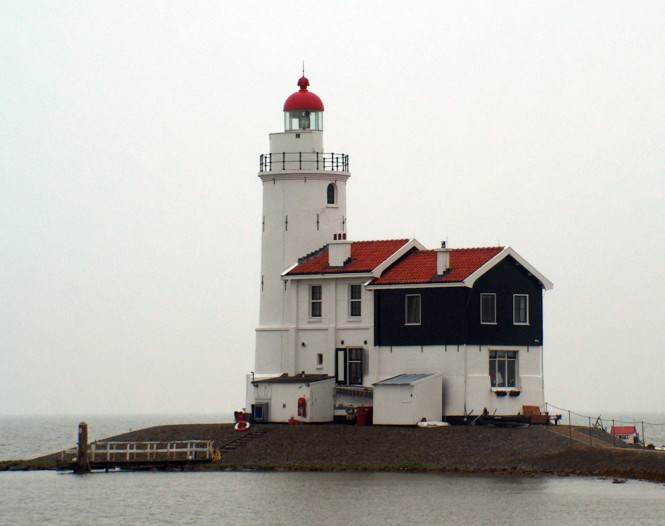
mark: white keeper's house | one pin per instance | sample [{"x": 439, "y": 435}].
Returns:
[{"x": 412, "y": 332}]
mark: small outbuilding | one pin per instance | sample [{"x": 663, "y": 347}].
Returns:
[
  {"x": 299, "y": 398},
  {"x": 626, "y": 433},
  {"x": 406, "y": 399}
]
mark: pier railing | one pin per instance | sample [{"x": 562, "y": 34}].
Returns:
[
  {"x": 286, "y": 161},
  {"x": 140, "y": 454},
  {"x": 150, "y": 451}
]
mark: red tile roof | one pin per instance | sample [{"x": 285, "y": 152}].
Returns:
[
  {"x": 365, "y": 257},
  {"x": 419, "y": 266},
  {"x": 624, "y": 430}
]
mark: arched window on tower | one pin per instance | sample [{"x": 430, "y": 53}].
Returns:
[{"x": 332, "y": 194}]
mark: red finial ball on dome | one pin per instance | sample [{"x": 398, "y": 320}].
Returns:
[{"x": 303, "y": 99}]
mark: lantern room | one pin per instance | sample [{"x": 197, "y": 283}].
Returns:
[{"x": 303, "y": 110}]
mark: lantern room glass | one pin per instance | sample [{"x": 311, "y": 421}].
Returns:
[{"x": 303, "y": 120}]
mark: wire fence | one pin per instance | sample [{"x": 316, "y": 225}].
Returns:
[{"x": 588, "y": 427}]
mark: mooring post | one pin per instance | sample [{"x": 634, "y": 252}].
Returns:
[{"x": 82, "y": 464}]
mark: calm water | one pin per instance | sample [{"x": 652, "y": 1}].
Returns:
[
  {"x": 293, "y": 498},
  {"x": 322, "y": 498}
]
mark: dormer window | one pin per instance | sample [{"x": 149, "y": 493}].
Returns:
[{"x": 331, "y": 194}]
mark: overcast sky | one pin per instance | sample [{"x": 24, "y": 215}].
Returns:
[{"x": 130, "y": 217}]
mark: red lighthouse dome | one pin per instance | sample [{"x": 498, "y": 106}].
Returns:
[{"x": 303, "y": 99}]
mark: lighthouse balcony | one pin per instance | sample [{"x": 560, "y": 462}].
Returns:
[{"x": 306, "y": 161}]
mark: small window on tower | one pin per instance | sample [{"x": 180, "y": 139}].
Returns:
[{"x": 332, "y": 194}]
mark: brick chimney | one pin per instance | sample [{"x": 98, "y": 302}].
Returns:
[
  {"x": 339, "y": 250},
  {"x": 442, "y": 259}
]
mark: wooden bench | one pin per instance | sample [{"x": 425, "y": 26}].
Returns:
[{"x": 539, "y": 418}]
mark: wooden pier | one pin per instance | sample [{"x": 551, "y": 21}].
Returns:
[{"x": 109, "y": 454}]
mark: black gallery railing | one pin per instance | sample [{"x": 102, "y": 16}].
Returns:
[{"x": 333, "y": 162}]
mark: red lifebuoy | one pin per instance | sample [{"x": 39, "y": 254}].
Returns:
[
  {"x": 241, "y": 426},
  {"x": 302, "y": 406}
]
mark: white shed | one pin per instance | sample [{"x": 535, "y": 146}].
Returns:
[
  {"x": 303, "y": 397},
  {"x": 406, "y": 399}
]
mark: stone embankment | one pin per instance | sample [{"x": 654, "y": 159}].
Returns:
[{"x": 526, "y": 450}]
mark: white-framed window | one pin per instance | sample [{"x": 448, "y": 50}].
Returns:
[
  {"x": 412, "y": 308},
  {"x": 521, "y": 309},
  {"x": 355, "y": 301},
  {"x": 503, "y": 368},
  {"x": 488, "y": 309},
  {"x": 331, "y": 194},
  {"x": 315, "y": 301}
]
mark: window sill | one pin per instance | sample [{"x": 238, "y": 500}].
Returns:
[
  {"x": 522, "y": 324},
  {"x": 505, "y": 391},
  {"x": 332, "y": 205},
  {"x": 488, "y": 323},
  {"x": 412, "y": 324}
]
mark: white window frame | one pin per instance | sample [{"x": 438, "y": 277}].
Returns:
[
  {"x": 406, "y": 309},
  {"x": 483, "y": 295},
  {"x": 526, "y": 309},
  {"x": 355, "y": 301},
  {"x": 313, "y": 301},
  {"x": 502, "y": 358}
]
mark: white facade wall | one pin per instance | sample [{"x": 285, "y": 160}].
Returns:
[
  {"x": 283, "y": 400},
  {"x": 466, "y": 380},
  {"x": 325, "y": 334},
  {"x": 408, "y": 404}
]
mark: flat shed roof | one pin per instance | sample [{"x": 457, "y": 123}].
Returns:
[
  {"x": 297, "y": 379},
  {"x": 404, "y": 379}
]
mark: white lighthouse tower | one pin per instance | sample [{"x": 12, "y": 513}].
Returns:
[{"x": 304, "y": 207}]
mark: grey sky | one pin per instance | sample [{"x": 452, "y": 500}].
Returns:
[{"x": 130, "y": 221}]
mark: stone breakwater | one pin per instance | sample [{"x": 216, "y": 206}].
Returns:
[{"x": 528, "y": 450}]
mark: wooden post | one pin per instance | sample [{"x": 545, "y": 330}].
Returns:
[
  {"x": 82, "y": 464},
  {"x": 570, "y": 426}
]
